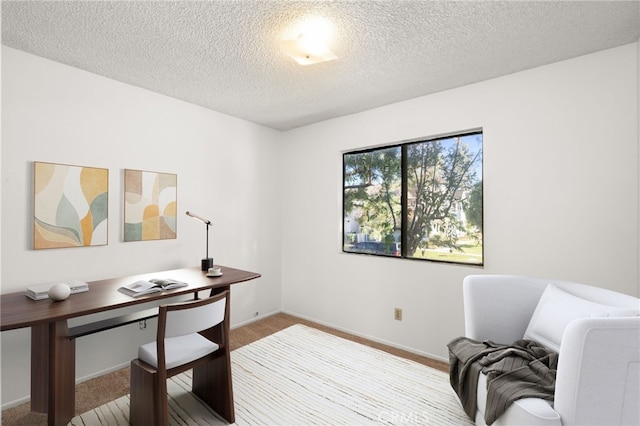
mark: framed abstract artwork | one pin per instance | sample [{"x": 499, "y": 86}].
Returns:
[
  {"x": 70, "y": 206},
  {"x": 150, "y": 205}
]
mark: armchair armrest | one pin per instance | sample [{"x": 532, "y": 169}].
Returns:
[
  {"x": 499, "y": 307},
  {"x": 598, "y": 379}
]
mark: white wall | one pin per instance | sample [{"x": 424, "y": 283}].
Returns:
[
  {"x": 228, "y": 171},
  {"x": 561, "y": 192}
]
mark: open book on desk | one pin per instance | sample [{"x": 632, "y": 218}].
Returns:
[{"x": 142, "y": 287}]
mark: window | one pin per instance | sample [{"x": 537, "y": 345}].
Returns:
[{"x": 417, "y": 200}]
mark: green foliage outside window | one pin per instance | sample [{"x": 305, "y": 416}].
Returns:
[{"x": 420, "y": 200}]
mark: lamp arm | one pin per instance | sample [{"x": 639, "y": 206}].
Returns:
[{"x": 207, "y": 221}]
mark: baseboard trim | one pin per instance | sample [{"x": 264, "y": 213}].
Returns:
[
  {"x": 26, "y": 399},
  {"x": 369, "y": 337},
  {"x": 254, "y": 319}
]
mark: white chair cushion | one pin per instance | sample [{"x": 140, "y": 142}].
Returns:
[
  {"x": 178, "y": 350},
  {"x": 525, "y": 411},
  {"x": 556, "y": 309}
]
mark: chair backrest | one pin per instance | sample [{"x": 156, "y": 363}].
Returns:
[
  {"x": 597, "y": 294},
  {"x": 178, "y": 319},
  {"x": 499, "y": 307}
]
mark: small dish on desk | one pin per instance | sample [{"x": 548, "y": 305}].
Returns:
[{"x": 214, "y": 271}]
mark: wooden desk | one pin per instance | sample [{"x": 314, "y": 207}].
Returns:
[{"x": 53, "y": 354}]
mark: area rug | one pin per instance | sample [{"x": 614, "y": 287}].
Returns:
[{"x": 303, "y": 376}]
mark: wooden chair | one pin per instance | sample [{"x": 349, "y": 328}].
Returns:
[{"x": 193, "y": 334}]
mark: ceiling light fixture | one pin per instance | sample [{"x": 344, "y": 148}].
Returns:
[
  {"x": 308, "y": 49},
  {"x": 308, "y": 40}
]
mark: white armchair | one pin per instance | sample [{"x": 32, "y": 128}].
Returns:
[{"x": 597, "y": 332}]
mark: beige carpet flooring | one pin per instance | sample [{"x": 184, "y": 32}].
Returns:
[{"x": 99, "y": 391}]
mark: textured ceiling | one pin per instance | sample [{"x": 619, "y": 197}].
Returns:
[{"x": 225, "y": 55}]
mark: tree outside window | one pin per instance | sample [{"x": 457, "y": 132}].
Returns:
[{"x": 419, "y": 200}]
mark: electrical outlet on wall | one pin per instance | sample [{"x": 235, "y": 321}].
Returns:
[{"x": 397, "y": 314}]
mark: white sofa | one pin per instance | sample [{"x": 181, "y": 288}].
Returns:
[{"x": 598, "y": 375}]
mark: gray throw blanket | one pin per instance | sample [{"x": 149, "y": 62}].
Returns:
[{"x": 524, "y": 369}]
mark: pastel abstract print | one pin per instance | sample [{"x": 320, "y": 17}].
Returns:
[
  {"x": 150, "y": 205},
  {"x": 70, "y": 206}
]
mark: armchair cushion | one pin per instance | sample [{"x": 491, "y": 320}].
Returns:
[
  {"x": 525, "y": 411},
  {"x": 556, "y": 309}
]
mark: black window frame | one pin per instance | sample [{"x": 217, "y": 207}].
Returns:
[{"x": 404, "y": 201}]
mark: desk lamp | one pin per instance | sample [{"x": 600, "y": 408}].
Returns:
[{"x": 207, "y": 262}]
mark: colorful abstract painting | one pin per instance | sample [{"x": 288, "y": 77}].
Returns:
[
  {"x": 70, "y": 206},
  {"x": 150, "y": 205}
]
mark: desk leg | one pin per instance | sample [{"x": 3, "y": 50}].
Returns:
[
  {"x": 40, "y": 368},
  {"x": 53, "y": 372}
]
